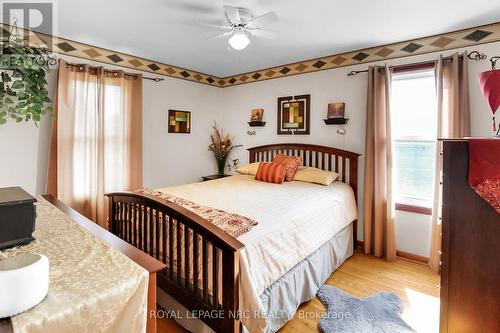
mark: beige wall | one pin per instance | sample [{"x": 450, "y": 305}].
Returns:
[
  {"x": 335, "y": 86},
  {"x": 168, "y": 158},
  {"x": 171, "y": 159},
  {"x": 24, "y": 151}
]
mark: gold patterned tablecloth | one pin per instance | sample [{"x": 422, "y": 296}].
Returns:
[{"x": 93, "y": 288}]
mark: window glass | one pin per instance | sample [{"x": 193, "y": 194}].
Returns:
[{"x": 414, "y": 130}]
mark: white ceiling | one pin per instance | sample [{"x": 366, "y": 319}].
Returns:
[{"x": 176, "y": 32}]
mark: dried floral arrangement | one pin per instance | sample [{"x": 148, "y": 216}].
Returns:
[{"x": 221, "y": 146}]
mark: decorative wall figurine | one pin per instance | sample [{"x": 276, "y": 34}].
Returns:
[{"x": 294, "y": 114}]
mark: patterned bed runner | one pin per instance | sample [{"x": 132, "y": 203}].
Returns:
[{"x": 231, "y": 223}]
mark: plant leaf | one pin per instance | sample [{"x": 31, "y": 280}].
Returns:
[
  {"x": 18, "y": 84},
  {"x": 23, "y": 90}
]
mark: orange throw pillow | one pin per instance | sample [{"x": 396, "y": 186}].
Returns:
[
  {"x": 271, "y": 173},
  {"x": 291, "y": 164}
]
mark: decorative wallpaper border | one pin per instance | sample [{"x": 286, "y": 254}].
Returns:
[
  {"x": 447, "y": 41},
  {"x": 452, "y": 40},
  {"x": 72, "y": 48}
]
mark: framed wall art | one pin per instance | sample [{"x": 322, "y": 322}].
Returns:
[
  {"x": 256, "y": 118},
  {"x": 179, "y": 121},
  {"x": 293, "y": 114},
  {"x": 336, "y": 114},
  {"x": 257, "y": 115},
  {"x": 336, "y": 110}
]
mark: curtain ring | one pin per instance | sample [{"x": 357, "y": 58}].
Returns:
[{"x": 81, "y": 68}]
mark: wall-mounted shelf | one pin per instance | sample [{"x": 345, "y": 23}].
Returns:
[
  {"x": 336, "y": 121},
  {"x": 257, "y": 123}
]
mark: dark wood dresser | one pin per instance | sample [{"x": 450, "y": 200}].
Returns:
[{"x": 470, "y": 271}]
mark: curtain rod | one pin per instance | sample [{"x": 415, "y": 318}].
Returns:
[
  {"x": 82, "y": 66},
  {"x": 474, "y": 55}
]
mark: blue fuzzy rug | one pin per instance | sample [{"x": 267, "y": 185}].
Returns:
[{"x": 378, "y": 313}]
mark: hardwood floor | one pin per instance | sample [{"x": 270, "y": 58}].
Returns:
[{"x": 362, "y": 276}]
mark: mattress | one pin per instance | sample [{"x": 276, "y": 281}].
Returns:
[{"x": 295, "y": 219}]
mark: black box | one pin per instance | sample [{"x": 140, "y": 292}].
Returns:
[{"x": 17, "y": 217}]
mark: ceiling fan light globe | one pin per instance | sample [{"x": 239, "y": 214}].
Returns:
[{"x": 239, "y": 41}]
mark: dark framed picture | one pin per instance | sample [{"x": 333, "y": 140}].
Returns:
[
  {"x": 179, "y": 121},
  {"x": 293, "y": 114},
  {"x": 336, "y": 110}
]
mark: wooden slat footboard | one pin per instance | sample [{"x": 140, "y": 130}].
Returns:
[{"x": 202, "y": 260}]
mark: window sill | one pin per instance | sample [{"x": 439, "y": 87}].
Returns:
[{"x": 414, "y": 209}]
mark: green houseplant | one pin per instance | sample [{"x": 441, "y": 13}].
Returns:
[{"x": 23, "y": 87}]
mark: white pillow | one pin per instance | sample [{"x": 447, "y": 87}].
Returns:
[
  {"x": 315, "y": 175},
  {"x": 249, "y": 169}
]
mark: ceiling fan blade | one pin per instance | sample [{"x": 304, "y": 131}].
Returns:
[
  {"x": 232, "y": 14},
  {"x": 220, "y": 35},
  {"x": 267, "y": 18},
  {"x": 213, "y": 26},
  {"x": 265, "y": 33}
]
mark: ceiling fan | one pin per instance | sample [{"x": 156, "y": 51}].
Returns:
[{"x": 241, "y": 25}]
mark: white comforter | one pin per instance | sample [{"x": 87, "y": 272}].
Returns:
[{"x": 295, "y": 219}]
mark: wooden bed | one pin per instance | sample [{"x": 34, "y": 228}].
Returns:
[{"x": 130, "y": 221}]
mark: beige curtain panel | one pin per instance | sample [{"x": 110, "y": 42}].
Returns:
[
  {"x": 96, "y": 140},
  {"x": 452, "y": 84},
  {"x": 379, "y": 228}
]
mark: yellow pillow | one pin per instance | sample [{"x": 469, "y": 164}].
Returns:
[
  {"x": 249, "y": 169},
  {"x": 315, "y": 175}
]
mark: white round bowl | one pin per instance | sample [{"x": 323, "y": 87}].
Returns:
[{"x": 24, "y": 282}]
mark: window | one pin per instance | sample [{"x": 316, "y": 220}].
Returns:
[
  {"x": 414, "y": 130},
  {"x": 88, "y": 135},
  {"x": 115, "y": 138}
]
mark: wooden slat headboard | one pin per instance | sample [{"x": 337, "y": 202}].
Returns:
[{"x": 344, "y": 162}]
